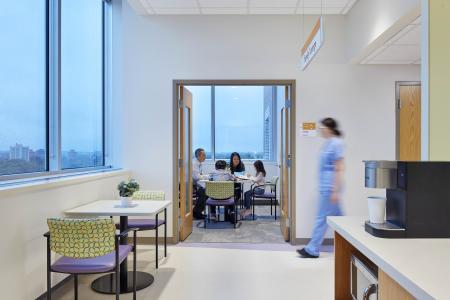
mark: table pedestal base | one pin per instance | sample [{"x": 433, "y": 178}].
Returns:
[{"x": 107, "y": 283}]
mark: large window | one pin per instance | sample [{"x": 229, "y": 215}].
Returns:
[
  {"x": 23, "y": 92},
  {"x": 234, "y": 118},
  {"x": 81, "y": 83},
  {"x": 201, "y": 121},
  {"x": 52, "y": 82}
]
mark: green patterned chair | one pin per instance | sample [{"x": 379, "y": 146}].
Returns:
[
  {"x": 87, "y": 246},
  {"x": 150, "y": 224},
  {"x": 220, "y": 193}
]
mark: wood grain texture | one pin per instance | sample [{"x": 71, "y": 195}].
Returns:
[
  {"x": 284, "y": 154},
  {"x": 343, "y": 251},
  {"x": 185, "y": 151},
  {"x": 410, "y": 123},
  {"x": 389, "y": 289}
]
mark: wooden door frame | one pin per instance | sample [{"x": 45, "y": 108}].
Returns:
[
  {"x": 398, "y": 84},
  {"x": 292, "y": 135}
]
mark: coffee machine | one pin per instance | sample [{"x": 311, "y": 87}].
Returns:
[{"x": 417, "y": 198}]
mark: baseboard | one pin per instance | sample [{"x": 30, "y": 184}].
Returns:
[
  {"x": 304, "y": 241},
  {"x": 54, "y": 288},
  {"x": 151, "y": 240}
]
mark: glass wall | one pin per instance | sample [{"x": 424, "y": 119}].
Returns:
[
  {"x": 23, "y": 92},
  {"x": 81, "y": 83},
  {"x": 230, "y": 119},
  {"x": 52, "y": 92}
]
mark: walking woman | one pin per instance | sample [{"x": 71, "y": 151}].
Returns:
[{"x": 331, "y": 169}]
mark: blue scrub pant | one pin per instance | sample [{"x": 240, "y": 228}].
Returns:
[{"x": 326, "y": 208}]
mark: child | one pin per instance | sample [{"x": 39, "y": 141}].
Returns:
[
  {"x": 258, "y": 180},
  {"x": 220, "y": 174}
]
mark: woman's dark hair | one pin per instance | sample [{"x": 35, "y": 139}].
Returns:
[
  {"x": 240, "y": 167},
  {"x": 221, "y": 165},
  {"x": 259, "y": 166},
  {"x": 332, "y": 124}
]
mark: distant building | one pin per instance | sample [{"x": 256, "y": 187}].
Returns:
[
  {"x": 268, "y": 123},
  {"x": 19, "y": 152}
]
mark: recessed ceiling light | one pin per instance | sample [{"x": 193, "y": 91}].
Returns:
[{"x": 235, "y": 98}]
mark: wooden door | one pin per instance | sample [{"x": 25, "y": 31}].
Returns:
[
  {"x": 185, "y": 162},
  {"x": 409, "y": 121},
  {"x": 285, "y": 161}
]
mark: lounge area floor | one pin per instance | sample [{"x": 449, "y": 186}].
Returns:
[
  {"x": 264, "y": 229},
  {"x": 213, "y": 272}
]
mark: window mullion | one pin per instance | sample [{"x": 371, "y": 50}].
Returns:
[
  {"x": 54, "y": 85},
  {"x": 213, "y": 122},
  {"x": 107, "y": 85}
]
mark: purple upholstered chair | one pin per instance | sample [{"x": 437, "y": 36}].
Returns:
[
  {"x": 87, "y": 246},
  {"x": 272, "y": 195},
  {"x": 149, "y": 223}
]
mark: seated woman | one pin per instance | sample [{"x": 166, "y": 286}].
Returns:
[
  {"x": 236, "y": 165},
  {"x": 220, "y": 174},
  {"x": 258, "y": 180}
]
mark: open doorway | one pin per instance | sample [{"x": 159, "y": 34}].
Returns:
[{"x": 253, "y": 118}]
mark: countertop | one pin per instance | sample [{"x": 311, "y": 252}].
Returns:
[{"x": 421, "y": 266}]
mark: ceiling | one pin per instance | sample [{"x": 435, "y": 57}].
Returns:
[
  {"x": 402, "y": 48},
  {"x": 243, "y": 7}
]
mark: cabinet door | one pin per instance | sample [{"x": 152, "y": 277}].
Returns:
[{"x": 389, "y": 289}]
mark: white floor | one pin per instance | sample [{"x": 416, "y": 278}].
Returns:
[{"x": 226, "y": 274}]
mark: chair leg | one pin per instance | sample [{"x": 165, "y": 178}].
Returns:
[
  {"x": 165, "y": 232},
  {"x": 134, "y": 265},
  {"x": 49, "y": 272},
  {"x": 117, "y": 282},
  {"x": 75, "y": 285},
  {"x": 117, "y": 270},
  {"x": 156, "y": 241},
  {"x": 271, "y": 207},
  {"x": 49, "y": 285},
  {"x": 253, "y": 202},
  {"x": 235, "y": 215},
  {"x": 275, "y": 208}
]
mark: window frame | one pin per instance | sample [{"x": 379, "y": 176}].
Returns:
[
  {"x": 53, "y": 157},
  {"x": 273, "y": 154}
]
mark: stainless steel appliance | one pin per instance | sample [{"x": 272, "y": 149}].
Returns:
[
  {"x": 418, "y": 198},
  {"x": 364, "y": 279}
]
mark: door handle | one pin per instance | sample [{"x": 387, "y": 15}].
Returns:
[{"x": 370, "y": 290}]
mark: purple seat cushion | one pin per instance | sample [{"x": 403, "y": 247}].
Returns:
[
  {"x": 266, "y": 195},
  {"x": 99, "y": 264},
  {"x": 143, "y": 224},
  {"x": 229, "y": 201}
]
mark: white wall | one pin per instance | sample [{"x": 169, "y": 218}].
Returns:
[
  {"x": 158, "y": 49},
  {"x": 23, "y": 221},
  {"x": 368, "y": 19}
]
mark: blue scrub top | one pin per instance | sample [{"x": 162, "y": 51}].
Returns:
[{"x": 332, "y": 151}]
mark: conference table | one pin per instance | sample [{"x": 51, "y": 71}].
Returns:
[{"x": 142, "y": 208}]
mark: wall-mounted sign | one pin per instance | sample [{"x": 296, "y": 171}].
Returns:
[
  {"x": 309, "y": 129},
  {"x": 312, "y": 44}
]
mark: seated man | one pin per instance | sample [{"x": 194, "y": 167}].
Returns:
[
  {"x": 197, "y": 175},
  {"x": 221, "y": 174}
]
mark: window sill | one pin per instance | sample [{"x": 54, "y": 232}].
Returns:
[{"x": 46, "y": 182}]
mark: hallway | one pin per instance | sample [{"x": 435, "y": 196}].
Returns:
[{"x": 197, "y": 273}]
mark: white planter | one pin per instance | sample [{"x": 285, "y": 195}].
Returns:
[{"x": 126, "y": 201}]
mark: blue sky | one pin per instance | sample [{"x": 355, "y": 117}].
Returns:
[
  {"x": 239, "y": 118},
  {"x": 22, "y": 74}
]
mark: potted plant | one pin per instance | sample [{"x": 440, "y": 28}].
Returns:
[{"x": 126, "y": 190}]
